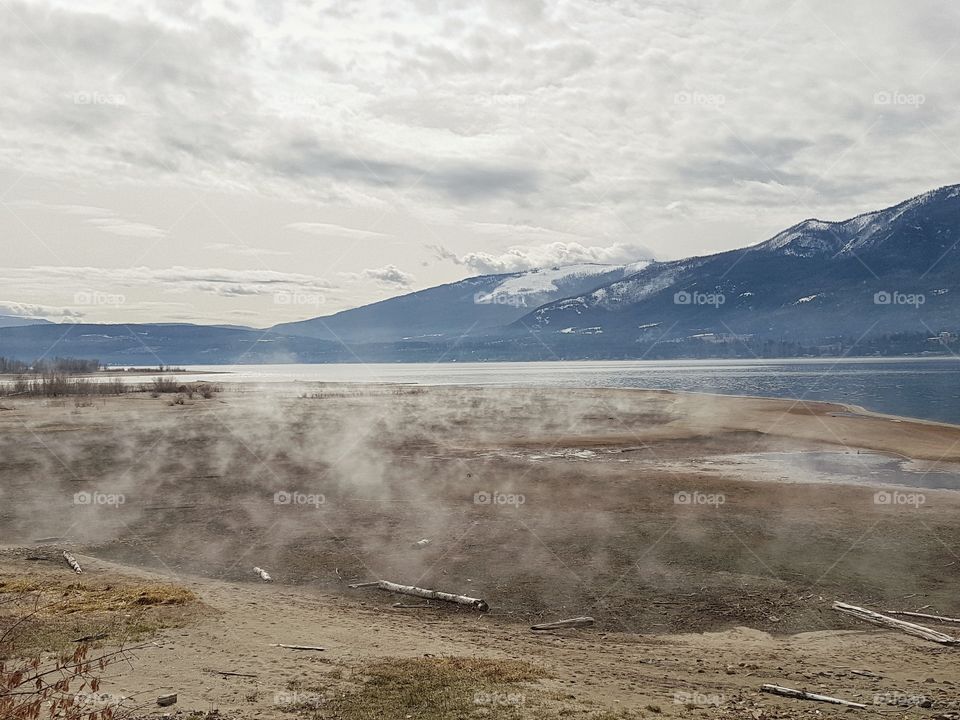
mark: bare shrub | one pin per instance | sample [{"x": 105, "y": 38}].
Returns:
[
  {"x": 58, "y": 384},
  {"x": 165, "y": 385},
  {"x": 32, "y": 688}
]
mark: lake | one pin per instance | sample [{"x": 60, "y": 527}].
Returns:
[{"x": 926, "y": 388}]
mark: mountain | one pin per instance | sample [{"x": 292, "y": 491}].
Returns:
[
  {"x": 449, "y": 311},
  {"x": 885, "y": 282},
  {"x": 18, "y": 321},
  {"x": 891, "y": 271},
  {"x": 166, "y": 344}
]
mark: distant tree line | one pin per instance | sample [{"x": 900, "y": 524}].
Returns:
[
  {"x": 49, "y": 367},
  {"x": 714, "y": 347}
]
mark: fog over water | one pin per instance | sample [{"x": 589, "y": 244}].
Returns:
[{"x": 927, "y": 388}]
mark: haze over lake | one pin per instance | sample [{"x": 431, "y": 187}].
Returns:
[{"x": 927, "y": 388}]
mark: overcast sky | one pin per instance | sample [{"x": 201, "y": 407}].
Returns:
[{"x": 255, "y": 162}]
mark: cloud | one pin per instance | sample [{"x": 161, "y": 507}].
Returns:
[
  {"x": 389, "y": 275},
  {"x": 213, "y": 281},
  {"x": 306, "y": 157},
  {"x": 331, "y": 230},
  {"x": 34, "y": 312},
  {"x": 245, "y": 250},
  {"x": 126, "y": 228},
  {"x": 100, "y": 218},
  {"x": 529, "y": 257}
]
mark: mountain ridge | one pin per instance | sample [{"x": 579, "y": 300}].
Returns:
[
  {"x": 839, "y": 267},
  {"x": 885, "y": 279}
]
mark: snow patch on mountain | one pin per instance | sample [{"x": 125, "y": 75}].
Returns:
[{"x": 547, "y": 281}]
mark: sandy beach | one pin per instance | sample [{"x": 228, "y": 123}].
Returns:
[{"x": 707, "y": 573}]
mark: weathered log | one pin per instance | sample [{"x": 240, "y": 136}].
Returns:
[
  {"x": 939, "y": 618},
  {"x": 576, "y": 622},
  {"x": 72, "y": 562},
  {"x": 411, "y": 606},
  {"x": 364, "y": 584},
  {"x": 884, "y": 621},
  {"x": 804, "y": 695},
  {"x": 167, "y": 700},
  {"x": 264, "y": 575},
  {"x": 299, "y": 647},
  {"x": 433, "y": 595}
]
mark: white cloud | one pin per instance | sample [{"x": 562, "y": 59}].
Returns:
[
  {"x": 548, "y": 109},
  {"x": 100, "y": 218},
  {"x": 245, "y": 250},
  {"x": 528, "y": 257},
  {"x": 34, "y": 311},
  {"x": 126, "y": 228},
  {"x": 214, "y": 281},
  {"x": 389, "y": 276},
  {"x": 331, "y": 230}
]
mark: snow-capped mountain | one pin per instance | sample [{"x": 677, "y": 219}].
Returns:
[
  {"x": 891, "y": 278},
  {"x": 894, "y": 270},
  {"x": 449, "y": 311},
  {"x": 817, "y": 237}
]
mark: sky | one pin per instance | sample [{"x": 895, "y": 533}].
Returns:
[{"x": 220, "y": 161}]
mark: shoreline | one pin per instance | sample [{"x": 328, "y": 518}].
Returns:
[{"x": 700, "y": 578}]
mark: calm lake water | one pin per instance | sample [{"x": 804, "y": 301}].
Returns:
[{"x": 926, "y": 388}]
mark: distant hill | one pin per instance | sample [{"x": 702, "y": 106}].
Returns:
[
  {"x": 167, "y": 344},
  {"x": 449, "y": 311},
  {"x": 17, "y": 321}
]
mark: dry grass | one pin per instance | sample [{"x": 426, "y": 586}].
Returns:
[
  {"x": 440, "y": 688},
  {"x": 58, "y": 610},
  {"x": 74, "y": 597},
  {"x": 453, "y": 688}
]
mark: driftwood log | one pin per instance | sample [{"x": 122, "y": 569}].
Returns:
[
  {"x": 885, "y": 621},
  {"x": 264, "y": 575},
  {"x": 804, "y": 695},
  {"x": 72, "y": 562},
  {"x": 576, "y": 622},
  {"x": 428, "y": 594},
  {"x": 925, "y": 616},
  {"x": 299, "y": 647}
]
